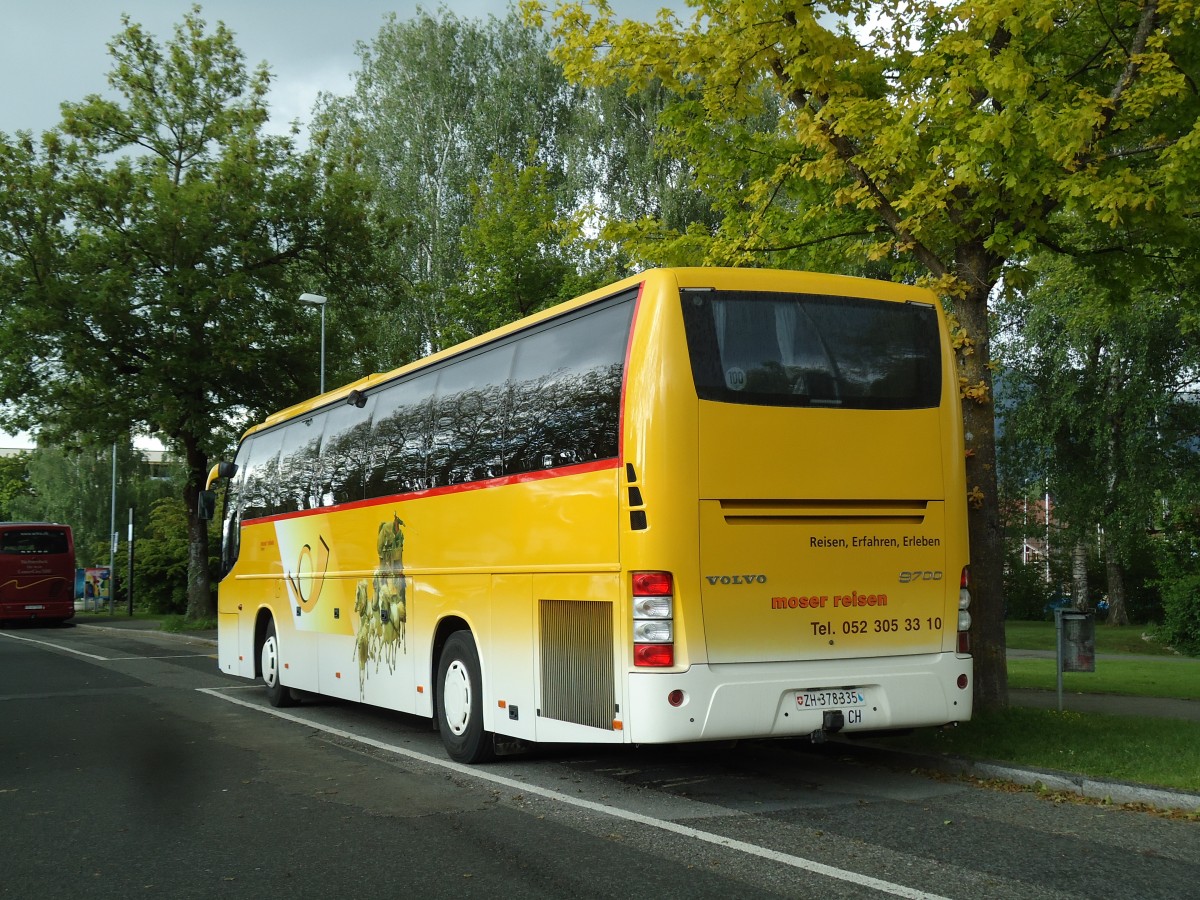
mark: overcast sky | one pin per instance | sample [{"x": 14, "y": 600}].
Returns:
[{"x": 56, "y": 50}]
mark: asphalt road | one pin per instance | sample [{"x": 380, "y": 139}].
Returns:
[{"x": 130, "y": 767}]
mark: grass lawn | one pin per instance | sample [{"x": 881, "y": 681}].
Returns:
[
  {"x": 166, "y": 622},
  {"x": 1143, "y": 750},
  {"x": 1161, "y": 752},
  {"x": 1171, "y": 675},
  {"x": 120, "y": 611},
  {"x": 1127, "y": 639},
  {"x": 1176, "y": 678}
]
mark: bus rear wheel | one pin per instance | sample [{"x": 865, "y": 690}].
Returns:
[
  {"x": 460, "y": 701},
  {"x": 268, "y": 658}
]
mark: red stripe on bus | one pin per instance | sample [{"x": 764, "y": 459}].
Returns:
[{"x": 523, "y": 478}]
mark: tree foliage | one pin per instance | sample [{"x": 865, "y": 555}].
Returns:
[
  {"x": 14, "y": 482},
  {"x": 944, "y": 139},
  {"x": 145, "y": 253},
  {"x": 516, "y": 250},
  {"x": 1104, "y": 372},
  {"x": 442, "y": 106},
  {"x": 160, "y": 558}
]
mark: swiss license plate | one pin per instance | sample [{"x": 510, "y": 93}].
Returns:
[
  {"x": 34, "y": 606},
  {"x": 836, "y": 698}
]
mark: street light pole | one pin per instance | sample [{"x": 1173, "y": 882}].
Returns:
[{"x": 318, "y": 300}]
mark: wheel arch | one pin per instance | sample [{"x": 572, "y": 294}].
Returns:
[{"x": 261, "y": 621}]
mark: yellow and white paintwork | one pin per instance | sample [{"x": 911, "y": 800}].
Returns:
[{"x": 755, "y": 510}]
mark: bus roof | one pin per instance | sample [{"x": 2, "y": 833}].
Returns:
[{"x": 682, "y": 277}]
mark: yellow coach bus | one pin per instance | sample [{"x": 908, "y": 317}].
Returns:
[{"x": 697, "y": 504}]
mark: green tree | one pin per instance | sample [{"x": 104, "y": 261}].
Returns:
[
  {"x": 1104, "y": 370},
  {"x": 147, "y": 249},
  {"x": 444, "y": 110},
  {"x": 519, "y": 255},
  {"x": 631, "y": 193},
  {"x": 942, "y": 138},
  {"x": 160, "y": 559},
  {"x": 74, "y": 486},
  {"x": 14, "y": 482}
]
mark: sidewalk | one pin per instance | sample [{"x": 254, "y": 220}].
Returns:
[{"x": 120, "y": 621}]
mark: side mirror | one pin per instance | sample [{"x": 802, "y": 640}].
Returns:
[
  {"x": 206, "y": 506},
  {"x": 220, "y": 470}
]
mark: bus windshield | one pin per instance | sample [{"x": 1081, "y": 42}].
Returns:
[
  {"x": 34, "y": 541},
  {"x": 781, "y": 349}
]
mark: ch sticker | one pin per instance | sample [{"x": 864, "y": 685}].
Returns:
[{"x": 309, "y": 577}]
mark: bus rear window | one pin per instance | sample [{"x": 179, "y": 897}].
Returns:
[
  {"x": 33, "y": 541},
  {"x": 784, "y": 349}
]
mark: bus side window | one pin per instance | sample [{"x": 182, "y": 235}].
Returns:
[
  {"x": 566, "y": 391},
  {"x": 345, "y": 458},
  {"x": 400, "y": 436},
  {"x": 469, "y": 416},
  {"x": 261, "y": 480},
  {"x": 298, "y": 462}
]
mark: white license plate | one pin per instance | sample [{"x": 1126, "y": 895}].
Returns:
[
  {"x": 837, "y": 698},
  {"x": 34, "y": 606}
]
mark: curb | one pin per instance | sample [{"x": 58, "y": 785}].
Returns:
[
  {"x": 1116, "y": 792},
  {"x": 1112, "y": 791}
]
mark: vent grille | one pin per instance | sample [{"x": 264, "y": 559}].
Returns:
[
  {"x": 901, "y": 512},
  {"x": 577, "y": 662}
]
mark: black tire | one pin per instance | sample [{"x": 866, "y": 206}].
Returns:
[
  {"x": 268, "y": 660},
  {"x": 460, "y": 702}
]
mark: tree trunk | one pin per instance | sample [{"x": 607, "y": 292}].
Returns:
[
  {"x": 1116, "y": 591},
  {"x": 987, "y": 549},
  {"x": 1079, "y": 575},
  {"x": 200, "y": 601}
]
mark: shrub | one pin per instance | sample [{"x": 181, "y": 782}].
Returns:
[
  {"x": 1181, "y": 613},
  {"x": 1026, "y": 592}
]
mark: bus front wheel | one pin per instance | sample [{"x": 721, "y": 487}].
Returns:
[
  {"x": 268, "y": 658},
  {"x": 460, "y": 701}
]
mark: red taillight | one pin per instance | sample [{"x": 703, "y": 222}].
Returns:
[
  {"x": 652, "y": 584},
  {"x": 964, "y": 617},
  {"x": 654, "y": 655},
  {"x": 653, "y": 612}
]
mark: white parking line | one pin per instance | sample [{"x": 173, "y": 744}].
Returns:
[
  {"x": 67, "y": 649},
  {"x": 797, "y": 862},
  {"x": 55, "y": 646}
]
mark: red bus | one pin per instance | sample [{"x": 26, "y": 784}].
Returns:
[{"x": 37, "y": 571}]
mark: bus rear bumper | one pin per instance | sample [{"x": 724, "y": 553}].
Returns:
[{"x": 790, "y": 699}]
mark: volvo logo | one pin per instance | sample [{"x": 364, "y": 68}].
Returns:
[{"x": 736, "y": 579}]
